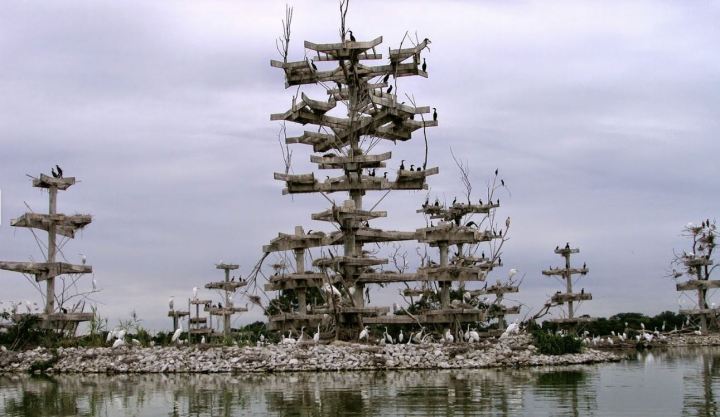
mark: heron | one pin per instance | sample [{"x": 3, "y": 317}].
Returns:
[
  {"x": 466, "y": 336},
  {"x": 94, "y": 284},
  {"x": 316, "y": 336},
  {"x": 118, "y": 343},
  {"x": 387, "y": 336},
  {"x": 474, "y": 336},
  {"x": 512, "y": 273},
  {"x": 176, "y": 336},
  {"x": 135, "y": 342},
  {"x": 400, "y": 337},
  {"x": 448, "y": 336},
  {"x": 513, "y": 328},
  {"x": 195, "y": 293},
  {"x": 364, "y": 334},
  {"x": 418, "y": 336}
]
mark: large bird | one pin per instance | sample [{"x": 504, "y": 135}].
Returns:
[
  {"x": 176, "y": 336},
  {"x": 424, "y": 65},
  {"x": 316, "y": 336},
  {"x": 352, "y": 37},
  {"x": 364, "y": 334},
  {"x": 59, "y": 171},
  {"x": 434, "y": 114},
  {"x": 171, "y": 303}
]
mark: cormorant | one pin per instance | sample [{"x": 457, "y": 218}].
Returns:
[
  {"x": 427, "y": 200},
  {"x": 557, "y": 247},
  {"x": 584, "y": 265},
  {"x": 312, "y": 64},
  {"x": 502, "y": 182},
  {"x": 567, "y": 245},
  {"x": 412, "y": 167},
  {"x": 389, "y": 90},
  {"x": 59, "y": 171},
  {"x": 424, "y": 65},
  {"x": 582, "y": 291},
  {"x": 480, "y": 201},
  {"x": 372, "y": 173},
  {"x": 437, "y": 203},
  {"x": 352, "y": 38},
  {"x": 64, "y": 310},
  {"x": 454, "y": 200},
  {"x": 386, "y": 78},
  {"x": 498, "y": 201},
  {"x": 402, "y": 165},
  {"x": 470, "y": 223},
  {"x": 385, "y": 175},
  {"x": 434, "y": 114},
  {"x": 54, "y": 174},
  {"x": 496, "y": 171}
]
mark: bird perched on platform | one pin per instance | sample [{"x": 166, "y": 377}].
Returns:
[
  {"x": 171, "y": 303},
  {"x": 364, "y": 334},
  {"x": 424, "y": 65},
  {"x": 54, "y": 174},
  {"x": 312, "y": 64},
  {"x": 387, "y": 337},
  {"x": 59, "y": 171},
  {"x": 389, "y": 90},
  {"x": 507, "y": 222},
  {"x": 434, "y": 114},
  {"x": 402, "y": 165},
  {"x": 352, "y": 37},
  {"x": 195, "y": 289},
  {"x": 567, "y": 245},
  {"x": 386, "y": 78},
  {"x": 512, "y": 272}
]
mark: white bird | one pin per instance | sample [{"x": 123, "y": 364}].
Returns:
[
  {"x": 418, "y": 336},
  {"x": 171, "y": 303},
  {"x": 194, "y": 293},
  {"x": 388, "y": 338},
  {"x": 110, "y": 336},
  {"x": 330, "y": 289},
  {"x": 513, "y": 328},
  {"x": 135, "y": 342},
  {"x": 202, "y": 340},
  {"x": 262, "y": 338},
  {"x": 316, "y": 336},
  {"x": 28, "y": 306},
  {"x": 466, "y": 336},
  {"x": 118, "y": 343},
  {"x": 642, "y": 326},
  {"x": 474, "y": 336},
  {"x": 302, "y": 334},
  {"x": 400, "y": 337},
  {"x": 94, "y": 284},
  {"x": 120, "y": 334},
  {"x": 176, "y": 335},
  {"x": 448, "y": 336},
  {"x": 83, "y": 258},
  {"x": 512, "y": 272}
]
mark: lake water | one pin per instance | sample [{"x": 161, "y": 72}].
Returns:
[{"x": 660, "y": 383}]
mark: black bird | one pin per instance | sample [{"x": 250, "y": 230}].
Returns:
[
  {"x": 59, "y": 171},
  {"x": 502, "y": 182},
  {"x": 54, "y": 174},
  {"x": 64, "y": 310},
  {"x": 437, "y": 203},
  {"x": 389, "y": 90},
  {"x": 352, "y": 38},
  {"x": 496, "y": 171},
  {"x": 434, "y": 114},
  {"x": 454, "y": 200},
  {"x": 427, "y": 200},
  {"x": 402, "y": 165},
  {"x": 470, "y": 223},
  {"x": 483, "y": 255},
  {"x": 480, "y": 201},
  {"x": 219, "y": 305},
  {"x": 424, "y": 66},
  {"x": 431, "y": 225},
  {"x": 372, "y": 173},
  {"x": 584, "y": 265},
  {"x": 329, "y": 155},
  {"x": 582, "y": 291},
  {"x": 499, "y": 260},
  {"x": 412, "y": 167},
  {"x": 386, "y": 77},
  {"x": 557, "y": 247},
  {"x": 567, "y": 245},
  {"x": 500, "y": 233},
  {"x": 233, "y": 279},
  {"x": 385, "y": 175},
  {"x": 312, "y": 64},
  {"x": 498, "y": 201}
]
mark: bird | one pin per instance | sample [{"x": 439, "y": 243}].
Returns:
[
  {"x": 83, "y": 258},
  {"x": 385, "y": 175},
  {"x": 110, "y": 336},
  {"x": 466, "y": 336},
  {"x": 434, "y": 114},
  {"x": 496, "y": 171},
  {"x": 402, "y": 165},
  {"x": 202, "y": 340},
  {"x": 424, "y": 65},
  {"x": 118, "y": 343},
  {"x": 474, "y": 336},
  {"x": 176, "y": 336},
  {"x": 54, "y": 174},
  {"x": 584, "y": 265},
  {"x": 507, "y": 222},
  {"x": 400, "y": 337},
  {"x": 386, "y": 78},
  {"x": 448, "y": 336},
  {"x": 513, "y": 328},
  {"x": 316, "y": 336},
  {"x": 135, "y": 342},
  {"x": 512, "y": 273},
  {"x": 64, "y": 310},
  {"x": 171, "y": 303},
  {"x": 94, "y": 284},
  {"x": 471, "y": 223},
  {"x": 418, "y": 336},
  {"x": 220, "y": 305},
  {"x": 59, "y": 171},
  {"x": 194, "y": 293},
  {"x": 364, "y": 334},
  {"x": 412, "y": 167},
  {"x": 567, "y": 245},
  {"x": 312, "y": 64},
  {"x": 352, "y": 37},
  {"x": 389, "y": 90},
  {"x": 120, "y": 334}
]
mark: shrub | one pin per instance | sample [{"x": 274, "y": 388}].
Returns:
[{"x": 551, "y": 344}]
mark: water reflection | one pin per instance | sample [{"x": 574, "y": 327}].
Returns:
[{"x": 648, "y": 383}]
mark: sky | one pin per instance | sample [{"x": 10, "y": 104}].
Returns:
[{"x": 602, "y": 118}]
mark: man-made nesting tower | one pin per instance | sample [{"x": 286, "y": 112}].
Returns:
[
  {"x": 568, "y": 296},
  {"x": 344, "y": 142},
  {"x": 55, "y": 315},
  {"x": 697, "y": 265},
  {"x": 228, "y": 286},
  {"x": 198, "y": 325}
]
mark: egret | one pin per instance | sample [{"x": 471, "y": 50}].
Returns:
[
  {"x": 364, "y": 334},
  {"x": 316, "y": 336},
  {"x": 194, "y": 293},
  {"x": 387, "y": 336},
  {"x": 302, "y": 334},
  {"x": 120, "y": 334},
  {"x": 202, "y": 341},
  {"x": 176, "y": 335},
  {"x": 171, "y": 303},
  {"x": 512, "y": 272},
  {"x": 94, "y": 284},
  {"x": 474, "y": 336},
  {"x": 400, "y": 337},
  {"x": 448, "y": 336},
  {"x": 110, "y": 336},
  {"x": 83, "y": 258},
  {"x": 410, "y": 339},
  {"x": 135, "y": 342},
  {"x": 331, "y": 290},
  {"x": 118, "y": 343},
  {"x": 513, "y": 328},
  {"x": 466, "y": 336},
  {"x": 418, "y": 336}
]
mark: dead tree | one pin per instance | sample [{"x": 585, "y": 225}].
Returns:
[
  {"x": 55, "y": 315},
  {"x": 698, "y": 266}
]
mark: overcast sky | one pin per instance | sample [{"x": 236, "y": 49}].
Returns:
[{"x": 603, "y": 118}]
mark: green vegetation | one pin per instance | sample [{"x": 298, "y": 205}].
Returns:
[
  {"x": 552, "y": 344},
  {"x": 616, "y": 323}
]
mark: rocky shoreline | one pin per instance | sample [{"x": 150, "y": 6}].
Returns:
[{"x": 515, "y": 351}]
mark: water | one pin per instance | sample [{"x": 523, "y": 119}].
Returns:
[{"x": 669, "y": 383}]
